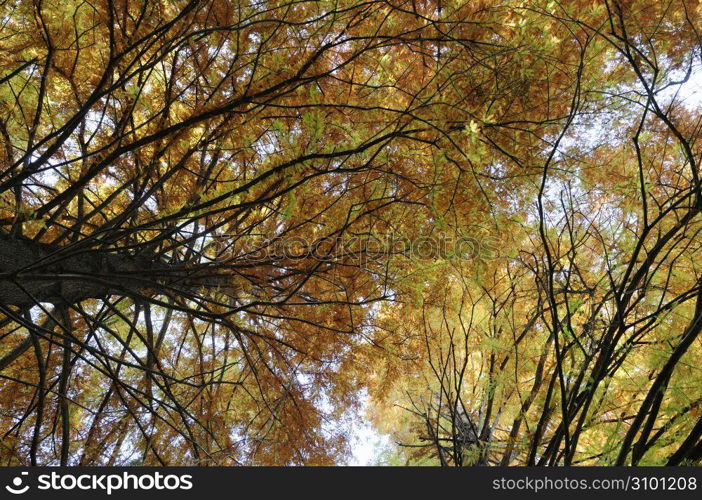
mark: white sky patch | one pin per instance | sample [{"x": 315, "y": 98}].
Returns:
[
  {"x": 689, "y": 93},
  {"x": 367, "y": 444}
]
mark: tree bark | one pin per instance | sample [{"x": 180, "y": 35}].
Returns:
[{"x": 32, "y": 272}]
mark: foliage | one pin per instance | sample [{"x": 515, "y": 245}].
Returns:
[{"x": 224, "y": 221}]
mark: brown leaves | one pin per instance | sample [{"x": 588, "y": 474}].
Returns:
[{"x": 327, "y": 197}]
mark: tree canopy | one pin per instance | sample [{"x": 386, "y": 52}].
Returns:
[{"x": 230, "y": 228}]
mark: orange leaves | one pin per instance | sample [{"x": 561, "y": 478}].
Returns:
[{"x": 459, "y": 208}]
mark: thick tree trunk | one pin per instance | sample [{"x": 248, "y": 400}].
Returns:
[{"x": 32, "y": 272}]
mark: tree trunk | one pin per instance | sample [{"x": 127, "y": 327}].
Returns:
[{"x": 32, "y": 272}]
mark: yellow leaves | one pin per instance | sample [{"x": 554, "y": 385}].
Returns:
[
  {"x": 446, "y": 126},
  {"x": 473, "y": 127},
  {"x": 493, "y": 345},
  {"x": 314, "y": 124}
]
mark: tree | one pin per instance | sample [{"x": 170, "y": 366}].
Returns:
[
  {"x": 579, "y": 344},
  {"x": 180, "y": 180},
  {"x": 222, "y": 220}
]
